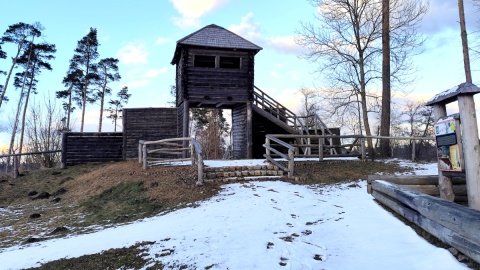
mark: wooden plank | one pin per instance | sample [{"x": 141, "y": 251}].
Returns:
[
  {"x": 466, "y": 245},
  {"x": 471, "y": 157},
  {"x": 455, "y": 217},
  {"x": 276, "y": 163},
  {"x": 280, "y": 154}
]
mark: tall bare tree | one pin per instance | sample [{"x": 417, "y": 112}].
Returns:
[
  {"x": 346, "y": 44},
  {"x": 463, "y": 34},
  {"x": 386, "y": 91}
]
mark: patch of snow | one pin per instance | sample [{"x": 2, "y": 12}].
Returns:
[{"x": 262, "y": 225}]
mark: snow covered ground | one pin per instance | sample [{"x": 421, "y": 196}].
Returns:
[{"x": 264, "y": 225}]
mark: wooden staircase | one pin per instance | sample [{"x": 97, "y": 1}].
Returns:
[{"x": 268, "y": 108}]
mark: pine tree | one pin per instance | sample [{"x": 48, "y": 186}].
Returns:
[
  {"x": 108, "y": 72},
  {"x": 19, "y": 34},
  {"x": 116, "y": 106},
  {"x": 84, "y": 59},
  {"x": 72, "y": 81}
]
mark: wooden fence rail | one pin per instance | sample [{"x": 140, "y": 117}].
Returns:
[
  {"x": 16, "y": 161},
  {"x": 453, "y": 224},
  {"x": 152, "y": 153}
]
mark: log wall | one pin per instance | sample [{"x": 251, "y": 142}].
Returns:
[
  {"x": 453, "y": 224},
  {"x": 239, "y": 131},
  {"x": 147, "y": 124},
  {"x": 87, "y": 147},
  {"x": 217, "y": 85},
  {"x": 427, "y": 184}
]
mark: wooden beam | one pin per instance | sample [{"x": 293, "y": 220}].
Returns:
[
  {"x": 471, "y": 158},
  {"x": 444, "y": 182}
]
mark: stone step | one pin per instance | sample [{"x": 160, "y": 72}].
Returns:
[{"x": 238, "y": 173}]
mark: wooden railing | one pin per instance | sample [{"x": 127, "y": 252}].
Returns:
[
  {"x": 275, "y": 144},
  {"x": 152, "y": 153},
  {"x": 270, "y": 105}
]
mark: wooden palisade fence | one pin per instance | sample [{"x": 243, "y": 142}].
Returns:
[
  {"x": 453, "y": 224},
  {"x": 152, "y": 153}
]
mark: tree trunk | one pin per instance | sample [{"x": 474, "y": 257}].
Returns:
[
  {"x": 22, "y": 132},
  {"x": 463, "y": 33},
  {"x": 102, "y": 100},
  {"x": 69, "y": 107},
  {"x": 4, "y": 90},
  {"x": 386, "y": 93}
]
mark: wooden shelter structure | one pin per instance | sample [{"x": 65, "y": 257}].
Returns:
[
  {"x": 215, "y": 68},
  {"x": 462, "y": 93}
]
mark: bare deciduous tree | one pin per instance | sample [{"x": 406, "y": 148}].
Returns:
[{"x": 346, "y": 44}]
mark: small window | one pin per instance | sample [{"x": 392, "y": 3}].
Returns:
[
  {"x": 230, "y": 62},
  {"x": 204, "y": 61}
]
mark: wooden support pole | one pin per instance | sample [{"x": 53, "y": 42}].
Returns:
[
  {"x": 413, "y": 150},
  {"x": 362, "y": 148},
  {"x": 267, "y": 143},
  {"x": 321, "y": 142},
  {"x": 144, "y": 156},
  {"x": 64, "y": 151},
  {"x": 186, "y": 123},
  {"x": 291, "y": 162},
  {"x": 200, "y": 169},
  {"x": 249, "y": 131},
  {"x": 469, "y": 127},
  {"x": 444, "y": 183}
]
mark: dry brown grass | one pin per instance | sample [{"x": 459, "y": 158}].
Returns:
[{"x": 163, "y": 189}]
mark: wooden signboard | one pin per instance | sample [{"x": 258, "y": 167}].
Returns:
[{"x": 449, "y": 144}]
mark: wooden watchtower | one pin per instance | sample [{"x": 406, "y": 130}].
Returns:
[{"x": 215, "y": 68}]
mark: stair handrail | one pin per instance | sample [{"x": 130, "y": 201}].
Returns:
[{"x": 267, "y": 103}]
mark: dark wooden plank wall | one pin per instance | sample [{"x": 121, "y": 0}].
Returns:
[
  {"x": 239, "y": 131},
  {"x": 86, "y": 147},
  {"x": 217, "y": 85},
  {"x": 147, "y": 124},
  {"x": 261, "y": 127}
]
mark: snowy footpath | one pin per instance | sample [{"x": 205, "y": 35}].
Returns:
[{"x": 262, "y": 225}]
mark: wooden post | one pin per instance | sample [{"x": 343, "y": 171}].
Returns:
[
  {"x": 413, "y": 150},
  {"x": 200, "y": 169},
  {"x": 186, "y": 123},
  {"x": 321, "y": 142},
  {"x": 469, "y": 128},
  {"x": 291, "y": 162},
  {"x": 444, "y": 183},
  {"x": 192, "y": 152},
  {"x": 64, "y": 151},
  {"x": 267, "y": 149},
  {"x": 362, "y": 148},
  {"x": 309, "y": 149},
  {"x": 15, "y": 166},
  {"x": 140, "y": 147},
  {"x": 249, "y": 131},
  {"x": 144, "y": 156}
]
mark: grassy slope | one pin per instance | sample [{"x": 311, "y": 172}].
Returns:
[{"x": 106, "y": 194}]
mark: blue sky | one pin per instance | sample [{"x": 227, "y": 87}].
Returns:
[{"x": 142, "y": 34}]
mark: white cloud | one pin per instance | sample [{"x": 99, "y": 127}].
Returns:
[
  {"x": 193, "y": 10},
  {"x": 284, "y": 44},
  {"x": 275, "y": 74},
  {"x": 133, "y": 54},
  {"x": 152, "y": 73},
  {"x": 136, "y": 84},
  {"x": 295, "y": 75},
  {"x": 251, "y": 30},
  {"x": 163, "y": 40},
  {"x": 248, "y": 28}
]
